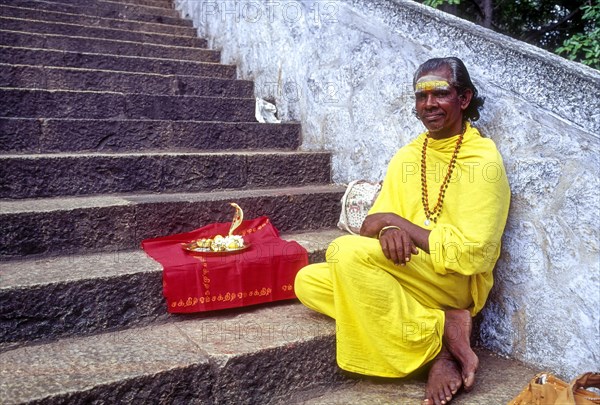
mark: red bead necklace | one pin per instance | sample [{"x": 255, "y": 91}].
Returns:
[{"x": 432, "y": 215}]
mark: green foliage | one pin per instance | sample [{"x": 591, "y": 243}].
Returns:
[
  {"x": 585, "y": 47},
  {"x": 437, "y": 3}
]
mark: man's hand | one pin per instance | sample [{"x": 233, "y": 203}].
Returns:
[
  {"x": 396, "y": 242},
  {"x": 397, "y": 245}
]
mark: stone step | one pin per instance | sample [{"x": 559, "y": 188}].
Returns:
[
  {"x": 55, "y": 226},
  {"x": 112, "y": 10},
  {"x": 106, "y": 46},
  {"x": 142, "y": 3},
  {"x": 66, "y": 78},
  {"x": 32, "y": 26},
  {"x": 26, "y": 135},
  {"x": 31, "y": 103},
  {"x": 62, "y": 174},
  {"x": 259, "y": 355},
  {"x": 91, "y": 21},
  {"x": 498, "y": 381},
  {"x": 151, "y": 3},
  {"x": 87, "y": 60},
  {"x": 46, "y": 299},
  {"x": 119, "y": 6}
]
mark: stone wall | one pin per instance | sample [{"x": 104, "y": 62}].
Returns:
[{"x": 344, "y": 70}]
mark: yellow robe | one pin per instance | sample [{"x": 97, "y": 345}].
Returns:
[{"x": 390, "y": 319}]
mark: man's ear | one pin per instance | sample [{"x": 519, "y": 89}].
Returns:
[{"x": 465, "y": 98}]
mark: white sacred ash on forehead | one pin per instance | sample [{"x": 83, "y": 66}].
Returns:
[{"x": 431, "y": 82}]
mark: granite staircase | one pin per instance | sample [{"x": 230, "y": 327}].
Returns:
[{"x": 118, "y": 124}]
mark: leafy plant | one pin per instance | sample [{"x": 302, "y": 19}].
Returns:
[
  {"x": 437, "y": 3},
  {"x": 585, "y": 47}
]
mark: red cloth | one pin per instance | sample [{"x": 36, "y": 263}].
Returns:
[{"x": 264, "y": 272}]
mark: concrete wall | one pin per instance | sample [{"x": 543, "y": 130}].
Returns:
[{"x": 344, "y": 69}]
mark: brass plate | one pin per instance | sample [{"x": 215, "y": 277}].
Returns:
[{"x": 192, "y": 248}]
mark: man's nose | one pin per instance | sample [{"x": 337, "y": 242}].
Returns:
[{"x": 430, "y": 100}]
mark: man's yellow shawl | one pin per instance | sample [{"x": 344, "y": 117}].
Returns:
[{"x": 466, "y": 237}]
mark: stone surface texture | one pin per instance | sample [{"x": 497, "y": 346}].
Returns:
[
  {"x": 101, "y": 45},
  {"x": 67, "y": 16},
  {"x": 498, "y": 381},
  {"x": 30, "y": 176},
  {"x": 22, "y": 135},
  {"x": 105, "y": 105},
  {"x": 128, "y": 282},
  {"x": 57, "y": 226},
  {"x": 344, "y": 70},
  {"x": 34, "y": 26},
  {"x": 111, "y": 134},
  {"x": 107, "y": 367},
  {"x": 88, "y": 60},
  {"x": 250, "y": 356},
  {"x": 106, "y": 9},
  {"x": 54, "y": 78}
]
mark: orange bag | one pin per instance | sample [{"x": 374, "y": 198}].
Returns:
[{"x": 546, "y": 389}]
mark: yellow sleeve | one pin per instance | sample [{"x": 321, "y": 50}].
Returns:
[{"x": 469, "y": 241}]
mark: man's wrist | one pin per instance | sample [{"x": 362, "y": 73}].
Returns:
[
  {"x": 386, "y": 219},
  {"x": 385, "y": 228}
]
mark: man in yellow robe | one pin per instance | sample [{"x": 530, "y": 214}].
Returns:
[{"x": 403, "y": 292}]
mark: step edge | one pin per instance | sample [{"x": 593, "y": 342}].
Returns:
[
  {"x": 230, "y": 66},
  {"x": 110, "y": 40},
  {"x": 158, "y": 34},
  {"x": 99, "y": 17},
  {"x": 160, "y": 11},
  {"x": 315, "y": 242},
  {"x": 122, "y": 72},
  {"x": 33, "y": 89},
  {"x": 15, "y": 206},
  {"x": 291, "y": 123},
  {"x": 120, "y": 3},
  {"x": 207, "y": 153}
]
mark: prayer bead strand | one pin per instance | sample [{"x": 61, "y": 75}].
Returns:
[{"x": 432, "y": 215}]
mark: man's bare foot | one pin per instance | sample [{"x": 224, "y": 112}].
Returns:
[
  {"x": 457, "y": 338},
  {"x": 444, "y": 380}
]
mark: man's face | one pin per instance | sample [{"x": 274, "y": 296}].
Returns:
[{"x": 438, "y": 104}]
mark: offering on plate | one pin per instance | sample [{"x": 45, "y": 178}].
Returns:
[
  {"x": 230, "y": 242},
  {"x": 220, "y": 243},
  {"x": 238, "y": 217}
]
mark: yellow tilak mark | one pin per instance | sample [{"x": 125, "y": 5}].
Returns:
[{"x": 431, "y": 85}]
